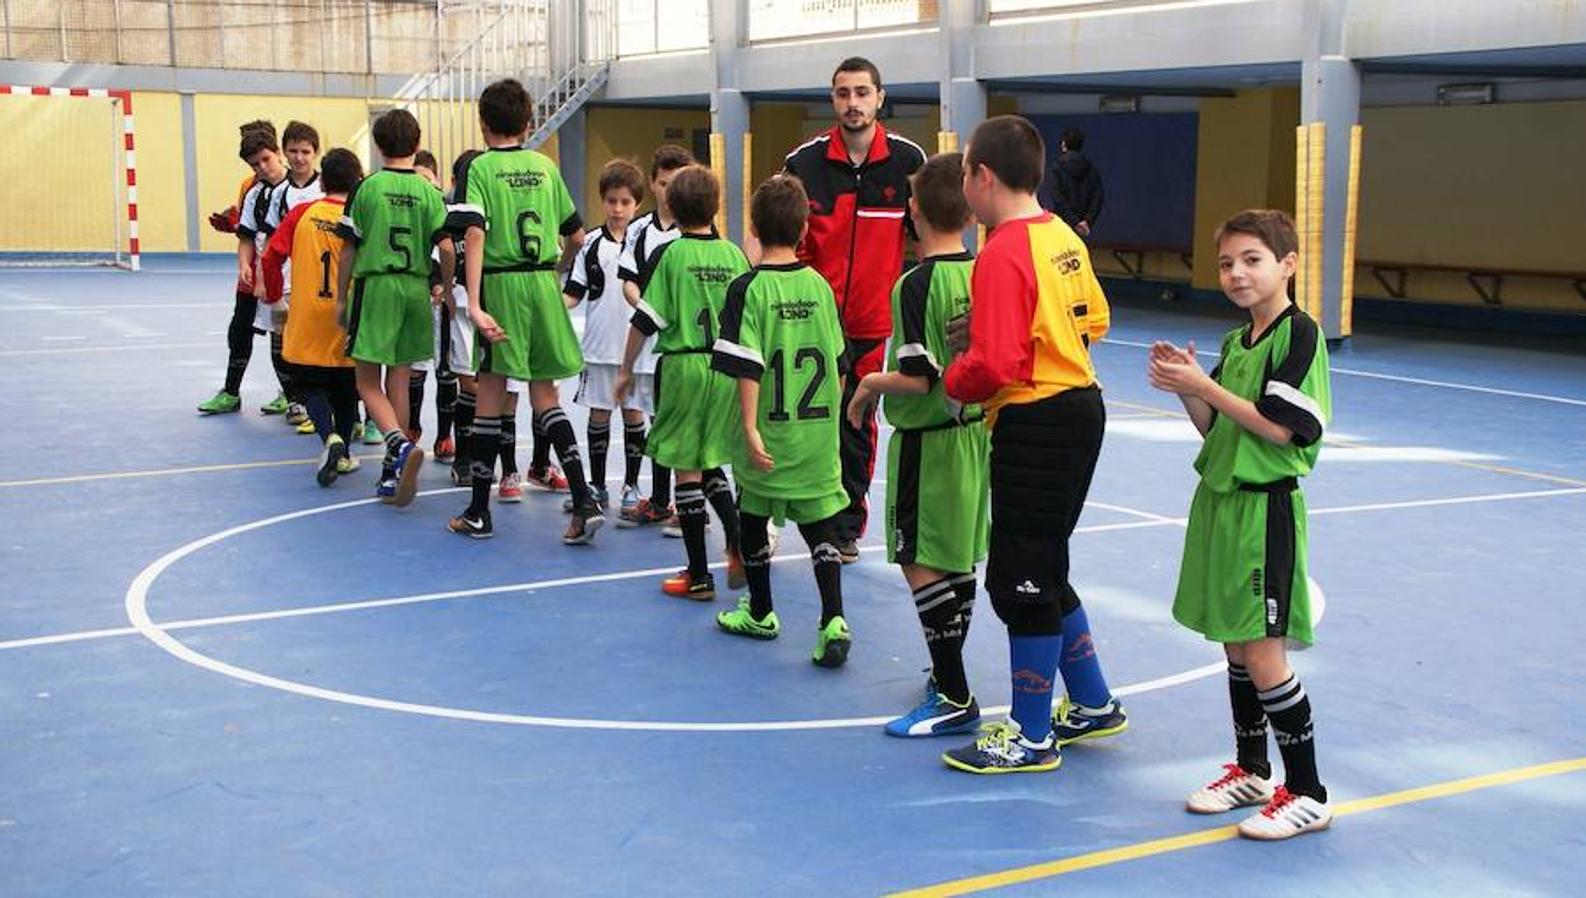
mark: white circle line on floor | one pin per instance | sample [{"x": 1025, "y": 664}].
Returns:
[{"x": 138, "y": 614}]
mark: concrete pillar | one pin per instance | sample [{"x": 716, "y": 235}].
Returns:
[
  {"x": 571, "y": 152},
  {"x": 729, "y": 110},
  {"x": 1330, "y": 95},
  {"x": 963, "y": 98}
]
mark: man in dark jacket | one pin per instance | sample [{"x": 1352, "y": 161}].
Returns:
[{"x": 1076, "y": 184}]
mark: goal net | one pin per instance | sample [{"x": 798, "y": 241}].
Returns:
[{"x": 72, "y": 198}]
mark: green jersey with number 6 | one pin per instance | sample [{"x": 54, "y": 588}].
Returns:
[
  {"x": 523, "y": 198},
  {"x": 780, "y": 327},
  {"x": 394, "y": 216}
]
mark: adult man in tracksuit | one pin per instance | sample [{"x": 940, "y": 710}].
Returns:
[{"x": 857, "y": 178}]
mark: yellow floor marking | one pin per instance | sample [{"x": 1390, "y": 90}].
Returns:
[{"x": 1139, "y": 850}]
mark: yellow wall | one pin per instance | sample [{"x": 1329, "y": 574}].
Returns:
[
  {"x": 162, "y": 179},
  {"x": 1499, "y": 186},
  {"x": 60, "y": 190},
  {"x": 630, "y": 133},
  {"x": 1245, "y": 158}
]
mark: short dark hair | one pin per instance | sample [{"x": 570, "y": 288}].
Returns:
[
  {"x": 938, "y": 188},
  {"x": 1011, "y": 147},
  {"x": 340, "y": 170},
  {"x": 258, "y": 124},
  {"x": 858, "y": 64},
  {"x": 300, "y": 132},
  {"x": 669, "y": 157},
  {"x": 1074, "y": 138},
  {"x": 622, "y": 173},
  {"x": 504, "y": 108},
  {"x": 461, "y": 163},
  {"x": 779, "y": 210},
  {"x": 427, "y": 159},
  {"x": 694, "y": 196},
  {"x": 396, "y": 133},
  {"x": 1272, "y": 227},
  {"x": 256, "y": 140}
]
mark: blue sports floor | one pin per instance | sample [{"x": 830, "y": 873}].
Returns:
[{"x": 217, "y": 678}]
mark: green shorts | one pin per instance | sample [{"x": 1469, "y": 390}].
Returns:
[
  {"x": 540, "y": 343},
  {"x": 1243, "y": 575},
  {"x": 391, "y": 321},
  {"x": 696, "y": 413},
  {"x": 799, "y": 511},
  {"x": 938, "y": 499}
]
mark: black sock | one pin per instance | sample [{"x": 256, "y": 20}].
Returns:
[
  {"x": 691, "y": 515},
  {"x": 445, "y": 403},
  {"x": 599, "y": 445},
  {"x": 1250, "y": 722},
  {"x": 964, "y": 585},
  {"x": 344, "y": 405},
  {"x": 757, "y": 563},
  {"x": 508, "y": 444},
  {"x": 465, "y": 424},
  {"x": 634, "y": 437},
  {"x": 821, "y": 537},
  {"x": 239, "y": 341},
  {"x": 719, "y": 493},
  {"x": 415, "y": 399},
  {"x": 483, "y": 441},
  {"x": 317, "y": 401},
  {"x": 1289, "y": 709},
  {"x": 283, "y": 371},
  {"x": 559, "y": 431},
  {"x": 937, "y": 604},
  {"x": 542, "y": 446}
]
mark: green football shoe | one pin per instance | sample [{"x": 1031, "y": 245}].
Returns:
[
  {"x": 219, "y": 404},
  {"x": 835, "y": 640},
  {"x": 276, "y": 406},
  {"x": 371, "y": 434},
  {"x": 740, "y": 622}
]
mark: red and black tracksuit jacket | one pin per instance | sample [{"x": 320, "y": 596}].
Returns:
[{"x": 858, "y": 229}]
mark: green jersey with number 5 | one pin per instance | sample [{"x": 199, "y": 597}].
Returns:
[
  {"x": 523, "y": 205},
  {"x": 780, "y": 327},
  {"x": 394, "y": 216}
]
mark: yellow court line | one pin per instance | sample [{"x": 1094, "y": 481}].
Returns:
[{"x": 1154, "y": 847}]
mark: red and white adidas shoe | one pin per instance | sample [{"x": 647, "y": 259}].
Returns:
[
  {"x": 1287, "y": 815},
  {"x": 1234, "y": 789}
]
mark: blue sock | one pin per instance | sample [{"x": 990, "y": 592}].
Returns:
[
  {"x": 1034, "y": 664},
  {"x": 1079, "y": 665}
]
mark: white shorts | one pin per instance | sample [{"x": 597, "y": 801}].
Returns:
[
  {"x": 597, "y": 383},
  {"x": 457, "y": 347},
  {"x": 270, "y": 317}
]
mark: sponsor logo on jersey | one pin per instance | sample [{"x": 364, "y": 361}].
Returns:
[
  {"x": 1067, "y": 262},
  {"x": 327, "y": 225},
  {"x": 796, "y": 309},
  {"x": 711, "y": 274},
  {"x": 521, "y": 180},
  {"x": 402, "y": 200}
]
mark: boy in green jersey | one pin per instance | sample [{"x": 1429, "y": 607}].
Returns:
[
  {"x": 684, "y": 289},
  {"x": 938, "y": 502},
  {"x": 1243, "y": 582},
  {"x": 781, "y": 339},
  {"x": 519, "y": 222},
  {"x": 392, "y": 218}
]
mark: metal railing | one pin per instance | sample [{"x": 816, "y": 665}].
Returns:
[
  {"x": 770, "y": 20},
  {"x": 331, "y": 36}
]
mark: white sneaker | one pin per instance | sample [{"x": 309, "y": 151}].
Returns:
[
  {"x": 1287, "y": 815},
  {"x": 1234, "y": 789}
]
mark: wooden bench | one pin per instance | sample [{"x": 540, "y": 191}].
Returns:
[{"x": 1487, "y": 282}]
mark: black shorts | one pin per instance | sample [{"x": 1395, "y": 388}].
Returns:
[{"x": 1043, "y": 455}]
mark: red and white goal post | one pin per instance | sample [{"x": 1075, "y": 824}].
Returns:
[{"x": 73, "y": 199}]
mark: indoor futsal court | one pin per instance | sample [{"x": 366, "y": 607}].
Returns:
[{"x": 218, "y": 678}]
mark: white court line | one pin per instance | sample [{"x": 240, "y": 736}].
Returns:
[
  {"x": 127, "y": 348},
  {"x": 120, "y": 307},
  {"x": 1518, "y": 394},
  {"x": 53, "y": 339}
]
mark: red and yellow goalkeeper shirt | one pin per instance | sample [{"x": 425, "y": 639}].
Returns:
[
  {"x": 307, "y": 237},
  {"x": 1035, "y": 307}
]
